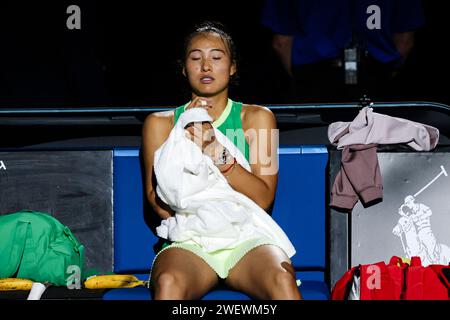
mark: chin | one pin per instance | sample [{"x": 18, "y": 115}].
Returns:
[{"x": 208, "y": 92}]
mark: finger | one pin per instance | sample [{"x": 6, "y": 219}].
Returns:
[
  {"x": 194, "y": 128},
  {"x": 206, "y": 141},
  {"x": 199, "y": 102},
  {"x": 207, "y": 125},
  {"x": 189, "y": 132},
  {"x": 208, "y": 131},
  {"x": 193, "y": 103},
  {"x": 196, "y": 131},
  {"x": 194, "y": 138}
]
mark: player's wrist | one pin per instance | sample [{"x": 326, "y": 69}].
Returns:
[{"x": 223, "y": 157}]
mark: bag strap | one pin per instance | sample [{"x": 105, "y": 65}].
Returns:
[
  {"x": 79, "y": 248},
  {"x": 343, "y": 286},
  {"x": 416, "y": 262},
  {"x": 397, "y": 262},
  {"x": 18, "y": 247},
  {"x": 71, "y": 237},
  {"x": 443, "y": 273}
]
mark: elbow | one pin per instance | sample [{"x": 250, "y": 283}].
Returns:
[
  {"x": 265, "y": 196},
  {"x": 265, "y": 202},
  {"x": 151, "y": 199}
]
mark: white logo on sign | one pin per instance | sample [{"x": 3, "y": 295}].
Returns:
[
  {"x": 2, "y": 165},
  {"x": 414, "y": 230}
]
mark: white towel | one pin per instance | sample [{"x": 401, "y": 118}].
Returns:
[{"x": 208, "y": 211}]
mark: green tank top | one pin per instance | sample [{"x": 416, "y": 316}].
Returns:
[{"x": 229, "y": 123}]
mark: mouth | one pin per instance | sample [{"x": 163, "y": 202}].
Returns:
[{"x": 206, "y": 80}]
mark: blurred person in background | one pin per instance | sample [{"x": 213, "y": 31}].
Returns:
[{"x": 336, "y": 51}]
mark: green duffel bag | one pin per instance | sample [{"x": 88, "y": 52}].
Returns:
[{"x": 36, "y": 246}]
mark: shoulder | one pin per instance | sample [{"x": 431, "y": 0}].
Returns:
[
  {"x": 161, "y": 118},
  {"x": 255, "y": 116},
  {"x": 159, "y": 123}
]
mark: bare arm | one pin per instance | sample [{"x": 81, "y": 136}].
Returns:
[
  {"x": 260, "y": 184},
  {"x": 155, "y": 131},
  {"x": 282, "y": 44}
]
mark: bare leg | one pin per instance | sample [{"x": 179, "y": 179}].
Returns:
[
  {"x": 179, "y": 274},
  {"x": 265, "y": 273}
]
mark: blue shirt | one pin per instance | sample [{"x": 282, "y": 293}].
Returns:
[{"x": 323, "y": 28}]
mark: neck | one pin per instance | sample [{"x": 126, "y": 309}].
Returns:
[{"x": 218, "y": 102}]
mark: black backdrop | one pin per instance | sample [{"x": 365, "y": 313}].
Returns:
[{"x": 125, "y": 53}]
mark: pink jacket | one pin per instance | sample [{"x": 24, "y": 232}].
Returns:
[{"x": 360, "y": 175}]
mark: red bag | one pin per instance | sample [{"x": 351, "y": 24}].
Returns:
[
  {"x": 342, "y": 288},
  {"x": 377, "y": 281},
  {"x": 395, "y": 281},
  {"x": 425, "y": 283},
  {"x": 382, "y": 282}
]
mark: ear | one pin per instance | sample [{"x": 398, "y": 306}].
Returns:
[
  {"x": 233, "y": 69},
  {"x": 184, "y": 71}
]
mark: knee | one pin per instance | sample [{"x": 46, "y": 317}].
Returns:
[
  {"x": 168, "y": 285},
  {"x": 283, "y": 279},
  {"x": 283, "y": 286}
]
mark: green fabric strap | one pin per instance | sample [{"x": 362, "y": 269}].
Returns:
[{"x": 17, "y": 249}]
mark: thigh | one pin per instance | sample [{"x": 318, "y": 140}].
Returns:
[
  {"x": 187, "y": 268},
  {"x": 253, "y": 274}
]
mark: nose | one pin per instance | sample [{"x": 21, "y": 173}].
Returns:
[{"x": 206, "y": 66}]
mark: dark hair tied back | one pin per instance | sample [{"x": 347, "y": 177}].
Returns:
[{"x": 212, "y": 27}]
